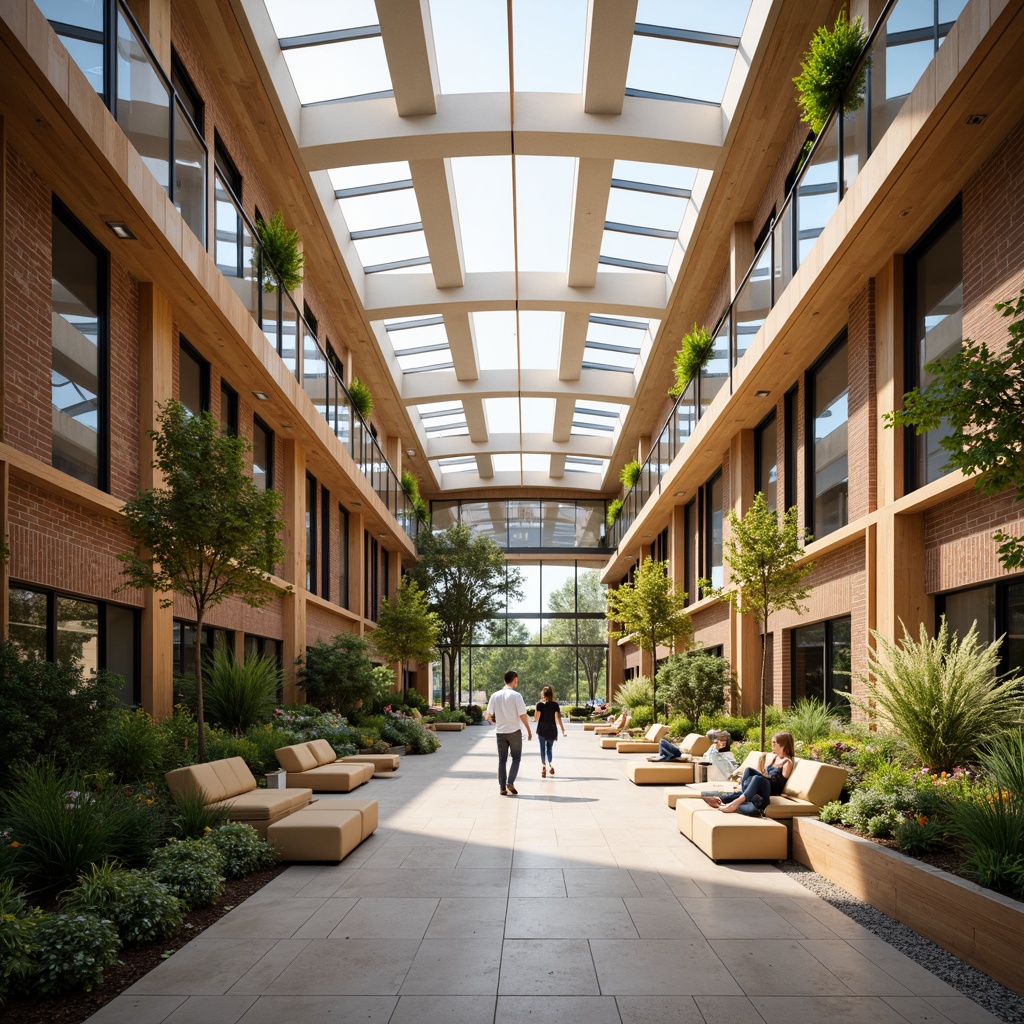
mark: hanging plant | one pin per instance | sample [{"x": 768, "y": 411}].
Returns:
[
  {"x": 285, "y": 259},
  {"x": 419, "y": 506},
  {"x": 410, "y": 485},
  {"x": 362, "y": 400},
  {"x": 630, "y": 474},
  {"x": 614, "y": 508},
  {"x": 827, "y": 69},
  {"x": 694, "y": 351}
]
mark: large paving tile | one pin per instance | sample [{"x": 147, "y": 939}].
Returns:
[
  {"x": 777, "y": 967},
  {"x": 854, "y": 970},
  {"x": 275, "y": 918},
  {"x": 448, "y": 967},
  {"x": 542, "y": 882},
  {"x": 686, "y": 1010},
  {"x": 212, "y": 1010},
  {"x": 309, "y": 1009},
  {"x": 661, "y": 918},
  {"x": 599, "y": 881},
  {"x": 387, "y": 917},
  {"x": 137, "y": 1009},
  {"x": 556, "y": 1010},
  {"x": 590, "y": 917},
  {"x": 347, "y": 967},
  {"x": 326, "y": 919},
  {"x": 897, "y": 965},
  {"x": 663, "y": 967},
  {"x": 958, "y": 1009},
  {"x": 794, "y": 1009},
  {"x": 444, "y": 1010},
  {"x": 721, "y": 917},
  {"x": 538, "y": 967},
  {"x": 207, "y": 968},
  {"x": 461, "y": 917}
]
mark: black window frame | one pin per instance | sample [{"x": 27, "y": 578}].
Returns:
[
  {"x": 191, "y": 101},
  {"x": 268, "y": 471},
  {"x": 228, "y": 408},
  {"x": 770, "y": 419},
  {"x": 312, "y": 540},
  {"x": 840, "y": 340},
  {"x": 325, "y": 543},
  {"x": 343, "y": 556},
  {"x": 187, "y": 350},
  {"x": 828, "y": 678},
  {"x": 789, "y": 444}
]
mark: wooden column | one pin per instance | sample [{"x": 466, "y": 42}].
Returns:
[
  {"x": 292, "y": 479},
  {"x": 744, "y": 635}
]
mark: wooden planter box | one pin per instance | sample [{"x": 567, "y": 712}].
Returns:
[{"x": 980, "y": 926}]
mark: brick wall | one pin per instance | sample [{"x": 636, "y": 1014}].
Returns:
[{"x": 862, "y": 434}]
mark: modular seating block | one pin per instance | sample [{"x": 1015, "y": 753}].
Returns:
[
  {"x": 610, "y": 742},
  {"x": 381, "y": 762},
  {"x": 316, "y": 765},
  {"x": 317, "y": 835},
  {"x": 647, "y": 745},
  {"x": 681, "y": 772},
  {"x": 449, "y": 726},
  {"x": 368, "y": 810},
  {"x": 737, "y": 836}
]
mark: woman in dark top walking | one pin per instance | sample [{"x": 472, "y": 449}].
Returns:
[{"x": 548, "y": 717}]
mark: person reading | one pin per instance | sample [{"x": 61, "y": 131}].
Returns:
[{"x": 758, "y": 787}]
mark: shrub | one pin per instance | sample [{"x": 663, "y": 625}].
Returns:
[
  {"x": 193, "y": 870},
  {"x": 239, "y": 695},
  {"x": 414, "y": 735},
  {"x": 832, "y": 813},
  {"x": 243, "y": 851},
  {"x": 641, "y": 716},
  {"x": 827, "y": 67},
  {"x": 221, "y": 745},
  {"x": 18, "y": 924},
  {"x": 338, "y": 675},
  {"x": 736, "y": 727},
  {"x": 694, "y": 684},
  {"x": 452, "y": 715},
  {"x": 679, "y": 726},
  {"x": 362, "y": 398},
  {"x": 134, "y": 747},
  {"x": 809, "y": 720},
  {"x": 73, "y": 951},
  {"x": 612, "y": 512},
  {"x": 281, "y": 245},
  {"x": 630, "y": 473},
  {"x": 179, "y": 739},
  {"x": 63, "y": 827},
  {"x": 941, "y": 695},
  {"x": 635, "y": 692},
  {"x": 414, "y": 701},
  {"x": 475, "y": 713},
  {"x": 52, "y": 711},
  {"x": 141, "y": 908},
  {"x": 194, "y": 817},
  {"x": 919, "y": 834}
]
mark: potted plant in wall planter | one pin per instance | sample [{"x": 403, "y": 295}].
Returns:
[
  {"x": 694, "y": 352},
  {"x": 630, "y": 474},
  {"x": 614, "y": 508},
  {"x": 362, "y": 400},
  {"x": 285, "y": 260}
]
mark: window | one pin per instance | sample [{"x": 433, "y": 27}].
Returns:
[
  {"x": 84, "y": 634},
  {"x": 78, "y": 370},
  {"x": 228, "y": 409},
  {"x": 81, "y": 28},
  {"x": 691, "y": 555},
  {"x": 766, "y": 462},
  {"x": 193, "y": 380},
  {"x": 311, "y": 538},
  {"x": 262, "y": 455},
  {"x": 827, "y": 470},
  {"x": 713, "y": 512},
  {"x": 231, "y": 251},
  {"x": 342, "y": 557},
  {"x": 789, "y": 408},
  {"x": 934, "y": 330},
  {"x": 998, "y": 610},
  {"x": 371, "y": 577},
  {"x": 325, "y": 543},
  {"x": 821, "y": 664},
  {"x": 184, "y": 646},
  {"x": 188, "y": 95}
]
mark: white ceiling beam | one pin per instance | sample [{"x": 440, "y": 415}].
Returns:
[
  {"x": 476, "y": 421},
  {"x": 557, "y": 467},
  {"x": 547, "y": 124},
  {"x": 535, "y": 443},
  {"x": 409, "y": 49},
  {"x": 435, "y": 196},
  {"x": 591, "y": 187},
  {"x": 608, "y": 45},
  {"x": 510, "y": 481},
  {"x": 565, "y": 409},
  {"x": 462, "y": 343},
  {"x": 443, "y": 386},
  {"x": 574, "y": 338}
]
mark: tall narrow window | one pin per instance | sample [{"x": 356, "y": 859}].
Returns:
[
  {"x": 193, "y": 380},
  {"x": 311, "y": 538},
  {"x": 342, "y": 557},
  {"x": 789, "y": 408},
  {"x": 228, "y": 408},
  {"x": 325, "y": 543},
  {"x": 78, "y": 367},
  {"x": 766, "y": 462},
  {"x": 934, "y": 304},
  {"x": 262, "y": 455},
  {"x": 713, "y": 564},
  {"x": 821, "y": 664},
  {"x": 691, "y": 555},
  {"x": 231, "y": 247},
  {"x": 828, "y": 469}
]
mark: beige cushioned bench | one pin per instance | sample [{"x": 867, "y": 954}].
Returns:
[
  {"x": 449, "y": 726},
  {"x": 660, "y": 773},
  {"x": 325, "y": 830},
  {"x": 316, "y": 765},
  {"x": 383, "y": 764},
  {"x": 230, "y": 783},
  {"x": 648, "y": 745}
]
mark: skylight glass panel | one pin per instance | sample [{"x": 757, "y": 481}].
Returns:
[
  {"x": 495, "y": 332},
  {"x": 483, "y": 196},
  {"x": 666, "y": 175},
  {"x": 502, "y": 415},
  {"x": 597, "y": 358},
  {"x": 626, "y": 206},
  {"x": 673, "y": 69},
  {"x": 443, "y": 419},
  {"x": 549, "y": 44},
  {"x": 544, "y": 188},
  {"x": 540, "y": 338},
  {"x": 470, "y": 45},
  {"x": 533, "y": 463},
  {"x": 538, "y": 415},
  {"x": 596, "y": 419},
  {"x": 462, "y": 465},
  {"x": 654, "y": 253},
  {"x": 298, "y": 19},
  {"x": 391, "y": 248},
  {"x": 383, "y": 209},
  {"x": 369, "y": 174},
  {"x": 505, "y": 462},
  {"x": 578, "y": 464},
  {"x": 698, "y": 15}
]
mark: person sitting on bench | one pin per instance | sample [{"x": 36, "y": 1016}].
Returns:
[
  {"x": 757, "y": 788},
  {"x": 720, "y": 754}
]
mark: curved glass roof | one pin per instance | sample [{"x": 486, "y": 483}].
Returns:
[{"x": 513, "y": 198}]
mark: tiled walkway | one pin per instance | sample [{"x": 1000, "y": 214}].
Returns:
[{"x": 576, "y": 902}]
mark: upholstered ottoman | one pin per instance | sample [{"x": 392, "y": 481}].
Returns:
[
  {"x": 329, "y": 835},
  {"x": 368, "y": 811},
  {"x": 383, "y": 764},
  {"x": 737, "y": 836},
  {"x": 661, "y": 773}
]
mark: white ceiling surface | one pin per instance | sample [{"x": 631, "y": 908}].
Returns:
[{"x": 513, "y": 298}]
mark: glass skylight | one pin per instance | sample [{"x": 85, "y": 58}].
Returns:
[
  {"x": 502, "y": 415},
  {"x": 613, "y": 343},
  {"x": 695, "y": 15},
  {"x": 471, "y": 44},
  {"x": 483, "y": 192},
  {"x": 549, "y": 43},
  {"x": 538, "y": 415},
  {"x": 443, "y": 419},
  {"x": 579, "y": 464},
  {"x": 420, "y": 344},
  {"x": 544, "y": 187},
  {"x": 596, "y": 419}
]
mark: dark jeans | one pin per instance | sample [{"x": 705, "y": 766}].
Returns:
[
  {"x": 667, "y": 751},
  {"x": 547, "y": 747},
  {"x": 509, "y": 742},
  {"x": 755, "y": 792}
]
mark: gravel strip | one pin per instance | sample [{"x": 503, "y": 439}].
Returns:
[{"x": 1000, "y": 1001}]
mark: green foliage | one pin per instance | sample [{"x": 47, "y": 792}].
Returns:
[
  {"x": 141, "y": 908},
  {"x": 133, "y": 747},
  {"x": 338, "y": 675},
  {"x": 73, "y": 952},
  {"x": 209, "y": 533},
  {"x": 63, "y": 827},
  {"x": 695, "y": 350},
  {"x": 635, "y": 692},
  {"x": 977, "y": 393},
  {"x": 194, "y": 817},
  {"x": 362, "y": 399},
  {"x": 832, "y": 813},
  {"x": 651, "y": 611},
  {"x": 243, "y": 851},
  {"x": 179, "y": 739},
  {"x": 809, "y": 720},
  {"x": 1003, "y": 759},
  {"x": 193, "y": 870},
  {"x": 240, "y": 695},
  {"x": 281, "y": 245},
  {"x": 641, "y": 716},
  {"x": 612, "y": 512},
  {"x": 52, "y": 711},
  {"x": 452, "y": 715},
  {"x": 630, "y": 473},
  {"x": 18, "y": 924},
  {"x": 826, "y": 70},
  {"x": 918, "y": 835},
  {"x": 221, "y": 745},
  {"x": 475, "y": 713},
  {"x": 680, "y": 726},
  {"x": 407, "y": 630},
  {"x": 941, "y": 695},
  {"x": 694, "y": 684}
]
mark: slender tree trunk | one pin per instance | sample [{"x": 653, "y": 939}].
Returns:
[
  {"x": 764, "y": 653},
  {"x": 197, "y": 647}
]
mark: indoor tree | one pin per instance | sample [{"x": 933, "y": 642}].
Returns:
[
  {"x": 406, "y": 627},
  {"x": 207, "y": 533},
  {"x": 651, "y": 612}
]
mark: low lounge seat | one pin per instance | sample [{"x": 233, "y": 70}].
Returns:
[
  {"x": 660, "y": 773},
  {"x": 316, "y": 765},
  {"x": 325, "y": 830},
  {"x": 449, "y": 726},
  {"x": 613, "y": 728},
  {"x": 383, "y": 764},
  {"x": 230, "y": 784},
  {"x": 648, "y": 745}
]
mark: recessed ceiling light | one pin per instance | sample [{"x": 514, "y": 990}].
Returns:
[
  {"x": 120, "y": 229},
  {"x": 761, "y": 394},
  {"x": 411, "y": 452},
  {"x": 262, "y": 396},
  {"x": 287, "y": 426},
  {"x": 357, "y": 504}
]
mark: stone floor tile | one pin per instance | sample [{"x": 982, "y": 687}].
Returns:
[
  {"x": 556, "y": 1010},
  {"x": 387, "y": 917},
  {"x": 555, "y": 967},
  {"x": 449, "y": 967},
  {"x": 207, "y": 968},
  {"x": 444, "y": 1010},
  {"x": 661, "y": 967},
  {"x": 306, "y": 1009},
  {"x": 591, "y": 917},
  {"x": 770, "y": 966},
  {"x": 335, "y": 967},
  {"x": 137, "y": 1009},
  {"x": 212, "y": 1010}
]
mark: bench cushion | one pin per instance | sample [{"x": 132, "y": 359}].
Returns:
[
  {"x": 321, "y": 836},
  {"x": 380, "y": 762},
  {"x": 815, "y": 782},
  {"x": 296, "y": 758},
  {"x": 369, "y": 810},
  {"x": 263, "y": 804},
  {"x": 331, "y": 778},
  {"x": 661, "y": 773},
  {"x": 216, "y": 780},
  {"x": 322, "y": 751},
  {"x": 737, "y": 836},
  {"x": 694, "y": 745}
]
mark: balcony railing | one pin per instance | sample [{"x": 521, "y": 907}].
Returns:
[{"x": 900, "y": 47}]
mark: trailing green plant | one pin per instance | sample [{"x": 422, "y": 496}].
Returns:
[
  {"x": 242, "y": 694},
  {"x": 695, "y": 350},
  {"x": 827, "y": 69},
  {"x": 362, "y": 399},
  {"x": 410, "y": 485},
  {"x": 630, "y": 473},
  {"x": 243, "y": 851},
  {"x": 192, "y": 869},
  {"x": 612, "y": 512},
  {"x": 694, "y": 684},
  {"x": 141, "y": 908},
  {"x": 942, "y": 695},
  {"x": 194, "y": 817},
  {"x": 809, "y": 720},
  {"x": 134, "y": 747},
  {"x": 18, "y": 923},
  {"x": 74, "y": 951},
  {"x": 63, "y": 826},
  {"x": 281, "y": 244},
  {"x": 634, "y": 692}
]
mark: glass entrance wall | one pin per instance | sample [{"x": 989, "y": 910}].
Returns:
[{"x": 821, "y": 664}]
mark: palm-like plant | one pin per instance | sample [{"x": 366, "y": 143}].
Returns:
[
  {"x": 635, "y": 693},
  {"x": 241, "y": 694},
  {"x": 809, "y": 720}
]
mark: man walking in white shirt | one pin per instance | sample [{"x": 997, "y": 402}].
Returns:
[{"x": 506, "y": 711}]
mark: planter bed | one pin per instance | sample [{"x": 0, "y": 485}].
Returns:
[{"x": 981, "y": 927}]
